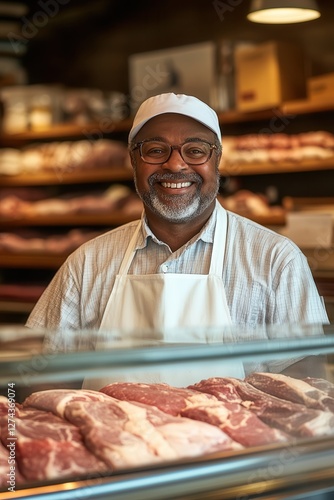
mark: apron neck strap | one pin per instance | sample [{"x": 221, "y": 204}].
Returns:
[
  {"x": 219, "y": 242},
  {"x": 130, "y": 251}
]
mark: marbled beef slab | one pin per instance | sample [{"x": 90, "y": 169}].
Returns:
[
  {"x": 48, "y": 447},
  {"x": 126, "y": 434},
  {"x": 43, "y": 459},
  {"x": 171, "y": 400},
  {"x": 291, "y": 389},
  {"x": 240, "y": 424},
  {"x": 55, "y": 400},
  {"x": 293, "y": 418},
  {"x": 321, "y": 384},
  {"x": 38, "y": 424}
]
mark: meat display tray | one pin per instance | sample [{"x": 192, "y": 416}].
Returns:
[{"x": 300, "y": 469}]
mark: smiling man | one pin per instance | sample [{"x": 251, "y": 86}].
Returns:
[
  {"x": 167, "y": 164},
  {"x": 176, "y": 171},
  {"x": 188, "y": 264}
]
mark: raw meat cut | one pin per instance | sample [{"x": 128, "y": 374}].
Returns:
[
  {"x": 4, "y": 406},
  {"x": 171, "y": 400},
  {"x": 49, "y": 447},
  {"x": 291, "y": 389},
  {"x": 56, "y": 400},
  {"x": 236, "y": 421},
  {"x": 37, "y": 424},
  {"x": 240, "y": 424},
  {"x": 126, "y": 435},
  {"x": 321, "y": 384},
  {"x": 41, "y": 459},
  {"x": 293, "y": 418},
  {"x": 222, "y": 388},
  {"x": 81, "y": 433}
]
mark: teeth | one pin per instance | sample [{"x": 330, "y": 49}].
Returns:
[{"x": 176, "y": 185}]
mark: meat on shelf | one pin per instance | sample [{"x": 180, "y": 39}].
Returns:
[
  {"x": 117, "y": 197},
  {"x": 248, "y": 204},
  {"x": 64, "y": 157},
  {"x": 28, "y": 242},
  {"x": 277, "y": 147}
]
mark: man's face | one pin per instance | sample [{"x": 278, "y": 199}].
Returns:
[{"x": 176, "y": 191}]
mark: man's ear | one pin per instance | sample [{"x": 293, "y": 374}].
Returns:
[
  {"x": 132, "y": 159},
  {"x": 219, "y": 158}
]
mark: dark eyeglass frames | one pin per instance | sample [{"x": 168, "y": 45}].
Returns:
[{"x": 158, "y": 152}]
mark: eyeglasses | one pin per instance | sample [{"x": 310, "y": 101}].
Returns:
[{"x": 158, "y": 152}]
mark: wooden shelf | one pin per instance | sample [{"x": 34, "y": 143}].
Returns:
[
  {"x": 282, "y": 167},
  {"x": 33, "y": 260},
  {"x": 58, "y": 177},
  {"x": 66, "y": 130},
  {"x": 112, "y": 219},
  {"x": 268, "y": 220},
  {"x": 11, "y": 306},
  {"x": 235, "y": 116},
  {"x": 323, "y": 269},
  {"x": 320, "y": 259},
  {"x": 125, "y": 174},
  {"x": 302, "y": 107},
  {"x": 74, "y": 130},
  {"x": 45, "y": 261}
]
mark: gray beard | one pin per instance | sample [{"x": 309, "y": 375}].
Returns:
[{"x": 183, "y": 208}]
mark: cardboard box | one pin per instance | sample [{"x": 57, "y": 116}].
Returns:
[
  {"x": 268, "y": 74},
  {"x": 321, "y": 88}
]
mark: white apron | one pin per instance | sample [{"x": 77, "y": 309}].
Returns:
[{"x": 176, "y": 308}]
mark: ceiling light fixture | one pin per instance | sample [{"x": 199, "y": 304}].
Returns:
[{"x": 282, "y": 11}]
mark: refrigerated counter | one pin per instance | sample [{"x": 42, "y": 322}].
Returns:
[{"x": 302, "y": 467}]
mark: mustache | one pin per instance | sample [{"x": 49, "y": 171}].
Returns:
[{"x": 174, "y": 177}]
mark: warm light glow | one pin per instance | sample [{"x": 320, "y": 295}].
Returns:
[{"x": 282, "y": 15}]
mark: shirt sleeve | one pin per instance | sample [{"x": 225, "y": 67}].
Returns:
[
  {"x": 297, "y": 297},
  {"x": 57, "y": 308}
]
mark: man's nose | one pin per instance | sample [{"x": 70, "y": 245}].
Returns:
[{"x": 175, "y": 161}]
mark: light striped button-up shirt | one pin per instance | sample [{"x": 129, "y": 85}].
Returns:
[{"x": 266, "y": 277}]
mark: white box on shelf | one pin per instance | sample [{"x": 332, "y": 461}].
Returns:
[
  {"x": 189, "y": 69},
  {"x": 310, "y": 230}
]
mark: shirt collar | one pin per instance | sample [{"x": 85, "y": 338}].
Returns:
[{"x": 206, "y": 234}]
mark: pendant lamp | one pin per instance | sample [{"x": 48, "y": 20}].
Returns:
[{"x": 283, "y": 11}]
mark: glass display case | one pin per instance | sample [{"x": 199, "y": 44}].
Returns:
[{"x": 267, "y": 434}]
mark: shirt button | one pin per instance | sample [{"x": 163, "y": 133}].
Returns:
[{"x": 164, "y": 268}]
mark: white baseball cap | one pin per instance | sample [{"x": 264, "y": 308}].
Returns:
[{"x": 175, "y": 103}]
